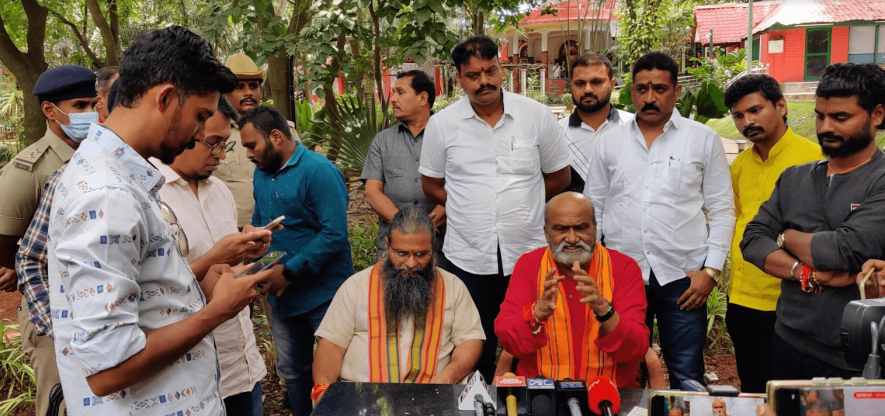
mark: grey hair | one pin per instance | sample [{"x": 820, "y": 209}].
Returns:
[{"x": 409, "y": 221}]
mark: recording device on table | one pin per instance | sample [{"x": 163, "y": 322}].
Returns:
[
  {"x": 546, "y": 397},
  {"x": 711, "y": 401}
]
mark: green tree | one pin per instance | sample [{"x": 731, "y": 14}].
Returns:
[
  {"x": 28, "y": 18},
  {"x": 650, "y": 25}
]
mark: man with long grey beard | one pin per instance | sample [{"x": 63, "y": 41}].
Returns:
[
  {"x": 403, "y": 300},
  {"x": 590, "y": 296}
]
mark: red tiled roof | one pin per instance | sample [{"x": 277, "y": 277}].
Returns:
[
  {"x": 571, "y": 10},
  {"x": 803, "y": 12},
  {"x": 728, "y": 21}
]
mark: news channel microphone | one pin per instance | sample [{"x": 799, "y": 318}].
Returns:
[
  {"x": 541, "y": 396},
  {"x": 511, "y": 394},
  {"x": 862, "y": 335},
  {"x": 603, "y": 398},
  {"x": 572, "y": 396}
]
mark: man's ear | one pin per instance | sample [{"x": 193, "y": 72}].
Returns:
[
  {"x": 423, "y": 98},
  {"x": 165, "y": 96},
  {"x": 877, "y": 116},
  {"x": 277, "y": 137}
]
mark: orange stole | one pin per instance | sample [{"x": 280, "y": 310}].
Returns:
[
  {"x": 384, "y": 364},
  {"x": 555, "y": 359}
]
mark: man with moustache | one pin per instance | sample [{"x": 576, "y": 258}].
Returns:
[
  {"x": 131, "y": 324},
  {"x": 309, "y": 190},
  {"x": 651, "y": 181},
  {"x": 391, "y": 168},
  {"x": 822, "y": 222},
  {"x": 489, "y": 158},
  {"x": 719, "y": 407},
  {"x": 236, "y": 171},
  {"x": 592, "y": 83},
  {"x": 207, "y": 216},
  {"x": 406, "y": 298},
  {"x": 759, "y": 111},
  {"x": 575, "y": 309}
]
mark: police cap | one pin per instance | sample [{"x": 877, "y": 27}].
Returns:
[{"x": 65, "y": 82}]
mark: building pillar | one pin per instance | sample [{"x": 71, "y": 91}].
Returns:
[
  {"x": 544, "y": 56},
  {"x": 522, "y": 84},
  {"x": 588, "y": 42}
]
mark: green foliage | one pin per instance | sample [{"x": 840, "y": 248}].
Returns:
[
  {"x": 541, "y": 98},
  {"x": 721, "y": 68},
  {"x": 304, "y": 116},
  {"x": 14, "y": 371},
  {"x": 653, "y": 25},
  {"x": 356, "y": 124},
  {"x": 440, "y": 103},
  {"x": 566, "y": 98},
  {"x": 363, "y": 246},
  {"x": 717, "y": 334}
]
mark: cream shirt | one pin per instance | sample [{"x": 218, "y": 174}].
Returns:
[
  {"x": 205, "y": 219},
  {"x": 346, "y": 325}
]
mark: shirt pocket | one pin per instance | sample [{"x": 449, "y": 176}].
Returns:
[
  {"x": 681, "y": 178},
  {"x": 525, "y": 159}
]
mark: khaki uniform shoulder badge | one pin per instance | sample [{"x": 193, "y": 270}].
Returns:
[{"x": 29, "y": 157}]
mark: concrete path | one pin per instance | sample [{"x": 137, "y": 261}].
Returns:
[{"x": 731, "y": 149}]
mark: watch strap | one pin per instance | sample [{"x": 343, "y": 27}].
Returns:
[{"x": 608, "y": 315}]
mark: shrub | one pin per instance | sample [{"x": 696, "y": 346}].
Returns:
[
  {"x": 541, "y": 98},
  {"x": 15, "y": 371},
  {"x": 363, "y": 249},
  {"x": 566, "y": 98}
]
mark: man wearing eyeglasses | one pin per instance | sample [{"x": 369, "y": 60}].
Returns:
[{"x": 205, "y": 219}]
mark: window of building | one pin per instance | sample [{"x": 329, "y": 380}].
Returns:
[{"x": 866, "y": 44}]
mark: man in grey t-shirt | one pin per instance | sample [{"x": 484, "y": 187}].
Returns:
[{"x": 391, "y": 168}]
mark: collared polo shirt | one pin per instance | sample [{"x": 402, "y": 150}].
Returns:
[
  {"x": 650, "y": 201},
  {"x": 309, "y": 190},
  {"x": 206, "y": 218},
  {"x": 115, "y": 273},
  {"x": 494, "y": 179},
  {"x": 753, "y": 181},
  {"x": 394, "y": 157},
  {"x": 582, "y": 141}
]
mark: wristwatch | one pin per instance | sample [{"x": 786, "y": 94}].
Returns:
[
  {"x": 781, "y": 238},
  {"x": 608, "y": 315},
  {"x": 715, "y": 276}
]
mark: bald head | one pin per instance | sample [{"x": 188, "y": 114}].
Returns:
[
  {"x": 570, "y": 202},
  {"x": 719, "y": 407}
]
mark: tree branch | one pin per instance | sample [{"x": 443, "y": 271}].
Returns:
[
  {"x": 107, "y": 35},
  {"x": 11, "y": 56},
  {"x": 83, "y": 43},
  {"x": 36, "y": 34}
]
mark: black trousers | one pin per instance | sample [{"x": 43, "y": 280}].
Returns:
[
  {"x": 751, "y": 333},
  {"x": 790, "y": 364},
  {"x": 488, "y": 293}
]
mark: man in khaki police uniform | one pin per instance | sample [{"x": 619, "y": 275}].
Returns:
[
  {"x": 67, "y": 96},
  {"x": 236, "y": 170}
]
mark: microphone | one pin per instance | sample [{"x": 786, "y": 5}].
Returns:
[
  {"x": 571, "y": 396},
  {"x": 542, "y": 406},
  {"x": 603, "y": 398},
  {"x": 511, "y": 394},
  {"x": 541, "y": 387}
]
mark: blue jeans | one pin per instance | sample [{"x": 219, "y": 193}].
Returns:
[
  {"x": 683, "y": 333},
  {"x": 293, "y": 342},
  {"x": 246, "y": 403}
]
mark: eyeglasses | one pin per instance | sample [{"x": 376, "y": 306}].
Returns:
[
  {"x": 226, "y": 146},
  {"x": 177, "y": 231}
]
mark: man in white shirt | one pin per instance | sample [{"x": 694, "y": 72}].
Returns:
[
  {"x": 207, "y": 215},
  {"x": 650, "y": 181},
  {"x": 132, "y": 325},
  {"x": 592, "y": 84},
  {"x": 491, "y": 158}
]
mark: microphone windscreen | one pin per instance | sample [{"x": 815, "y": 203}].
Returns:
[
  {"x": 602, "y": 390},
  {"x": 542, "y": 406}
]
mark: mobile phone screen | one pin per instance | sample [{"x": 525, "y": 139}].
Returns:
[
  {"x": 831, "y": 401},
  {"x": 704, "y": 405},
  {"x": 263, "y": 263}
]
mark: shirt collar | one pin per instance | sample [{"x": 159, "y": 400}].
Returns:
[
  {"x": 140, "y": 170},
  {"x": 574, "y": 120},
  {"x": 62, "y": 149},
  {"x": 170, "y": 174},
  {"x": 785, "y": 141},
  {"x": 468, "y": 112},
  {"x": 675, "y": 121},
  {"x": 293, "y": 160}
]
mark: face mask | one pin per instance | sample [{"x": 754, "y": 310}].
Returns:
[{"x": 80, "y": 123}]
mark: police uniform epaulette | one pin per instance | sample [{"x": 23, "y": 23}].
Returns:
[{"x": 27, "y": 158}]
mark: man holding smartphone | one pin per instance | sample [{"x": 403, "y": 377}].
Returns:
[{"x": 207, "y": 214}]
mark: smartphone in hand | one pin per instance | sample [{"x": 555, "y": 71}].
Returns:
[{"x": 264, "y": 263}]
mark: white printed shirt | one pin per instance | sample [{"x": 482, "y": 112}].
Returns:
[
  {"x": 494, "y": 179},
  {"x": 649, "y": 202},
  {"x": 206, "y": 220},
  {"x": 115, "y": 273}
]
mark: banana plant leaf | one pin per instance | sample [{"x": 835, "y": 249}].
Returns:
[{"x": 354, "y": 126}]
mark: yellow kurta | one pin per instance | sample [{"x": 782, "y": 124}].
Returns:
[{"x": 753, "y": 181}]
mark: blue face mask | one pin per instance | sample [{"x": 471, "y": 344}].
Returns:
[{"x": 80, "y": 123}]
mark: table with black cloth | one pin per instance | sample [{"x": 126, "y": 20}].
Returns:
[{"x": 388, "y": 399}]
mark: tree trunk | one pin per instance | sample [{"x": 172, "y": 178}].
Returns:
[
  {"x": 277, "y": 72},
  {"x": 27, "y": 67},
  {"x": 376, "y": 65},
  {"x": 110, "y": 36},
  {"x": 479, "y": 24},
  {"x": 331, "y": 104}
]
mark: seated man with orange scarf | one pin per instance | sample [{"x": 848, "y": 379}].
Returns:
[
  {"x": 402, "y": 320},
  {"x": 575, "y": 309}
]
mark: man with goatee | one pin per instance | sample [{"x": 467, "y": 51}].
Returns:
[
  {"x": 405, "y": 303},
  {"x": 592, "y": 84}
]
